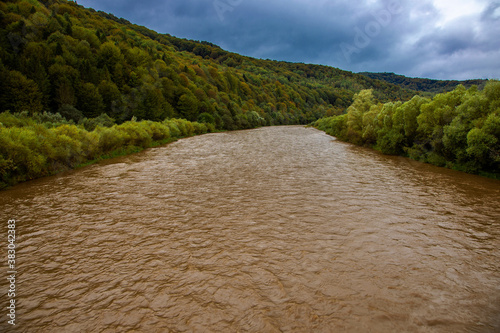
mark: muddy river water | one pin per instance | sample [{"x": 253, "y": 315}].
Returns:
[{"x": 280, "y": 229}]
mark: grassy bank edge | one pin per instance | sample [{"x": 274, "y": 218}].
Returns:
[
  {"x": 30, "y": 149},
  {"x": 126, "y": 151}
]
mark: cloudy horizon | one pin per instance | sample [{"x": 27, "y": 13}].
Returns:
[{"x": 437, "y": 39}]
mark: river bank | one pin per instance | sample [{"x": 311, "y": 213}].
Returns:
[
  {"x": 459, "y": 130},
  {"x": 32, "y": 148}
]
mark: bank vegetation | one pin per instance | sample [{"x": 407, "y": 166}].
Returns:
[
  {"x": 45, "y": 144},
  {"x": 459, "y": 129}
]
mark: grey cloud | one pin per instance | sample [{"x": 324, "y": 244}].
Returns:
[{"x": 465, "y": 48}]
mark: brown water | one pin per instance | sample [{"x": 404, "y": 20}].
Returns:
[{"x": 278, "y": 229}]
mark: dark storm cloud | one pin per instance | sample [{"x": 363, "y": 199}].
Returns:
[
  {"x": 371, "y": 35},
  {"x": 467, "y": 47}
]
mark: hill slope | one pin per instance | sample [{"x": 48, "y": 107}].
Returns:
[
  {"x": 57, "y": 56},
  {"x": 426, "y": 85}
]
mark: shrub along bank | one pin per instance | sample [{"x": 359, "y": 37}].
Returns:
[
  {"x": 459, "y": 129},
  {"x": 45, "y": 144}
]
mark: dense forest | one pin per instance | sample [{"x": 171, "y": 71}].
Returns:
[
  {"x": 425, "y": 85},
  {"x": 57, "y": 56},
  {"x": 458, "y": 129},
  {"x": 78, "y": 84}
]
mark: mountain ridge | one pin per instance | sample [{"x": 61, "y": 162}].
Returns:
[
  {"x": 424, "y": 84},
  {"x": 81, "y": 63}
]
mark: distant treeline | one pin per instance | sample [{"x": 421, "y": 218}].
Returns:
[
  {"x": 57, "y": 56},
  {"x": 425, "y": 85},
  {"x": 459, "y": 129},
  {"x": 45, "y": 144}
]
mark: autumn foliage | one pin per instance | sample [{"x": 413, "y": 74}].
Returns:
[{"x": 57, "y": 56}]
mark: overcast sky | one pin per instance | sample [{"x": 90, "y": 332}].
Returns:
[{"x": 439, "y": 39}]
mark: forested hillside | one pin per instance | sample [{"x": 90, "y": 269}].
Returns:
[
  {"x": 77, "y": 85},
  {"x": 427, "y": 85},
  {"x": 57, "y": 56}
]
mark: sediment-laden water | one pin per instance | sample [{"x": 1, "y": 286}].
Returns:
[{"x": 280, "y": 229}]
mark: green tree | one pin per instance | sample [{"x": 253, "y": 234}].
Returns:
[
  {"x": 206, "y": 118},
  {"x": 479, "y": 149},
  {"x": 188, "y": 106},
  {"x": 89, "y": 100},
  {"x": 439, "y": 112},
  {"x": 110, "y": 96},
  {"x": 109, "y": 55},
  {"x": 18, "y": 93},
  {"x": 153, "y": 104},
  {"x": 70, "y": 112},
  {"x": 361, "y": 105},
  {"x": 492, "y": 93},
  {"x": 405, "y": 118},
  {"x": 474, "y": 107}
]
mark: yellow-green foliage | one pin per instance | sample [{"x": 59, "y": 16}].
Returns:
[
  {"x": 30, "y": 149},
  {"x": 459, "y": 129},
  {"x": 58, "y": 56}
]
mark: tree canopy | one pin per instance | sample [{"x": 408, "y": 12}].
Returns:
[
  {"x": 56, "y": 54},
  {"x": 459, "y": 129}
]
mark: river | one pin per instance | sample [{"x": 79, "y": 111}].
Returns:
[{"x": 278, "y": 229}]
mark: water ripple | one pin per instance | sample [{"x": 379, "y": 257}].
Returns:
[{"x": 279, "y": 229}]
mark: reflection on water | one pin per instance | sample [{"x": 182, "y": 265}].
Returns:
[{"x": 280, "y": 229}]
